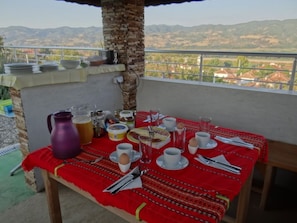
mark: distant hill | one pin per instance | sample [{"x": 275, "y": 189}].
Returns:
[
  {"x": 271, "y": 35},
  {"x": 63, "y": 36}
]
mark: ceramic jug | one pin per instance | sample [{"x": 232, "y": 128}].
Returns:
[{"x": 64, "y": 135}]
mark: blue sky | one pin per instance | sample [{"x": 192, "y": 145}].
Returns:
[{"x": 53, "y": 14}]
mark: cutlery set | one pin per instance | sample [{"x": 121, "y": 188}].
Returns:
[
  {"x": 216, "y": 163},
  {"x": 125, "y": 180},
  {"x": 120, "y": 184},
  {"x": 126, "y": 183},
  {"x": 225, "y": 165}
]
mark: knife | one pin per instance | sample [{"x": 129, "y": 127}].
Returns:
[
  {"x": 118, "y": 183},
  {"x": 135, "y": 176},
  {"x": 237, "y": 168}
]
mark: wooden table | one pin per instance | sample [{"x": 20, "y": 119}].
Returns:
[
  {"x": 198, "y": 193},
  {"x": 51, "y": 188}
]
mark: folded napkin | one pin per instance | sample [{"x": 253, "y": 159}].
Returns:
[
  {"x": 220, "y": 159},
  {"x": 148, "y": 118},
  {"x": 235, "y": 141},
  {"x": 137, "y": 183}
]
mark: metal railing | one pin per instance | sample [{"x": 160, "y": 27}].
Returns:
[{"x": 250, "y": 69}]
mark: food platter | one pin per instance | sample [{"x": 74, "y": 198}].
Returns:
[{"x": 161, "y": 136}]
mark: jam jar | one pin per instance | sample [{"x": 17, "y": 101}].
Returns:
[{"x": 127, "y": 118}]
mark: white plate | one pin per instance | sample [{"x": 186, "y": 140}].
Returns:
[
  {"x": 183, "y": 163},
  {"x": 212, "y": 144},
  {"x": 20, "y": 65},
  {"x": 21, "y": 68},
  {"x": 114, "y": 156}
]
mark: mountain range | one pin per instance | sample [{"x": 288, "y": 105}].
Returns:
[{"x": 270, "y": 35}]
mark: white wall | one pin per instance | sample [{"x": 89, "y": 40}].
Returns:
[
  {"x": 39, "y": 102},
  {"x": 273, "y": 115}
]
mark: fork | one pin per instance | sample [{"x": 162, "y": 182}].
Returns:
[
  {"x": 151, "y": 131},
  {"x": 85, "y": 161},
  {"x": 135, "y": 175}
]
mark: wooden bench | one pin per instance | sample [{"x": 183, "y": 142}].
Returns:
[{"x": 281, "y": 155}]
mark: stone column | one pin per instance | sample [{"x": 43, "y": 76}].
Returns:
[
  {"x": 123, "y": 31},
  {"x": 23, "y": 134}
]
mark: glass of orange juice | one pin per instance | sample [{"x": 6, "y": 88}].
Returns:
[{"x": 83, "y": 122}]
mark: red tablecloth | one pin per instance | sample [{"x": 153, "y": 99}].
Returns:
[{"x": 194, "y": 194}]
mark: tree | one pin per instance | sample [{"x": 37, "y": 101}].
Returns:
[
  {"x": 1, "y": 55},
  {"x": 4, "y": 92},
  {"x": 228, "y": 63},
  {"x": 242, "y": 62}
]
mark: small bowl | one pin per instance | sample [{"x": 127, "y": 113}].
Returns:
[
  {"x": 70, "y": 64},
  {"x": 124, "y": 167},
  {"x": 96, "y": 60},
  {"x": 117, "y": 132}
]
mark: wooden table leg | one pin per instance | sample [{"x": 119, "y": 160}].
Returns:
[
  {"x": 268, "y": 178},
  {"x": 243, "y": 200},
  {"x": 242, "y": 204},
  {"x": 52, "y": 194}
]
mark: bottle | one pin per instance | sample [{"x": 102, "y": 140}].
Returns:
[{"x": 98, "y": 123}]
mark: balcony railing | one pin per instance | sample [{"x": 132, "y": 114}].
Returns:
[{"x": 249, "y": 69}]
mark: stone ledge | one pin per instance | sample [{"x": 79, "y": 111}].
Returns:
[{"x": 57, "y": 77}]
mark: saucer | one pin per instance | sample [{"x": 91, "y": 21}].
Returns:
[
  {"x": 212, "y": 144},
  {"x": 183, "y": 163},
  {"x": 114, "y": 156}
]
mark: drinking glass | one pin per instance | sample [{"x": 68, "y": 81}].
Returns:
[
  {"x": 205, "y": 124},
  {"x": 145, "y": 147},
  {"x": 179, "y": 139},
  {"x": 83, "y": 122}
]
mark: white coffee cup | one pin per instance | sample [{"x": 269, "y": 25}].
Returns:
[
  {"x": 203, "y": 138},
  {"x": 172, "y": 156},
  {"x": 124, "y": 148},
  {"x": 169, "y": 122}
]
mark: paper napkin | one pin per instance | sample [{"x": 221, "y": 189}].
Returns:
[
  {"x": 235, "y": 141},
  {"x": 137, "y": 183},
  {"x": 148, "y": 118},
  {"x": 220, "y": 158}
]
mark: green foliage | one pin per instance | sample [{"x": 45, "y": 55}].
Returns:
[
  {"x": 213, "y": 62},
  {"x": 242, "y": 62},
  {"x": 4, "y": 91},
  {"x": 228, "y": 63}
]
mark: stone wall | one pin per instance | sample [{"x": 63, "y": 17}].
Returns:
[
  {"x": 22, "y": 133},
  {"x": 123, "y": 30}
]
